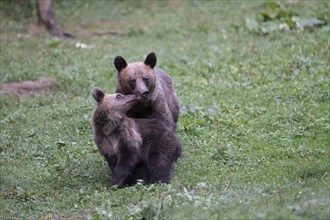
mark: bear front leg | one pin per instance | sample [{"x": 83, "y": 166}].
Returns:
[
  {"x": 160, "y": 168},
  {"x": 112, "y": 162},
  {"x": 125, "y": 166},
  {"x": 120, "y": 173}
]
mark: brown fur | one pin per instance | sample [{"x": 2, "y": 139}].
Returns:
[
  {"x": 133, "y": 148},
  {"x": 153, "y": 87}
]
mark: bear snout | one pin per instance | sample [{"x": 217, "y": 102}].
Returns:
[{"x": 145, "y": 94}]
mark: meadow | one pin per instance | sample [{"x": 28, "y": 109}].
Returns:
[{"x": 253, "y": 82}]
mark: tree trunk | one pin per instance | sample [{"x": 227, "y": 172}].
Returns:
[{"x": 47, "y": 18}]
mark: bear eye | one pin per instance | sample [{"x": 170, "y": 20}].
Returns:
[
  {"x": 132, "y": 83},
  {"x": 146, "y": 80},
  {"x": 118, "y": 96}
]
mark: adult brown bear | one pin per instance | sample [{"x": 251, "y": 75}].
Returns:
[
  {"x": 134, "y": 148},
  {"x": 152, "y": 86}
]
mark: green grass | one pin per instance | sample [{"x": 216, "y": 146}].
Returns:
[{"x": 254, "y": 123}]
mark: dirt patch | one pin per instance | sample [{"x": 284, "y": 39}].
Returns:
[{"x": 27, "y": 88}]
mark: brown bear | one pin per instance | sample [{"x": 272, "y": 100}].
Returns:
[
  {"x": 153, "y": 87},
  {"x": 134, "y": 148}
]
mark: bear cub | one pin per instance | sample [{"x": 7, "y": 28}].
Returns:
[
  {"x": 134, "y": 148},
  {"x": 153, "y": 88}
]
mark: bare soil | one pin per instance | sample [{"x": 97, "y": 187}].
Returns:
[{"x": 27, "y": 88}]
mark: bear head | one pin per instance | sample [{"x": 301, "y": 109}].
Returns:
[
  {"x": 110, "y": 109},
  {"x": 136, "y": 78}
]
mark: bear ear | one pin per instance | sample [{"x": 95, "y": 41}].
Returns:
[
  {"x": 151, "y": 60},
  {"x": 97, "y": 94},
  {"x": 120, "y": 63}
]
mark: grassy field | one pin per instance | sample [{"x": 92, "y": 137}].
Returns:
[{"x": 255, "y": 109}]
